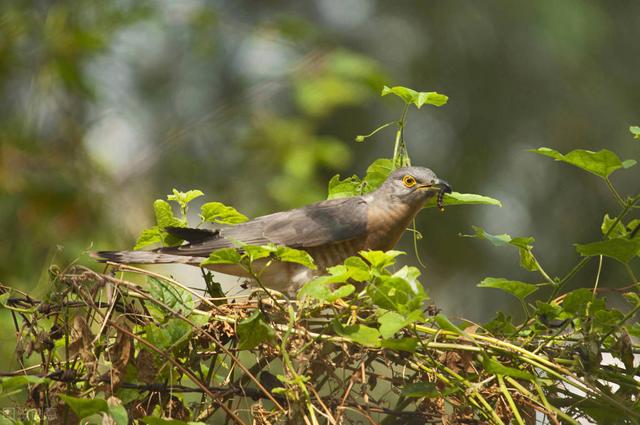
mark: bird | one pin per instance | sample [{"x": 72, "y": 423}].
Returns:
[{"x": 329, "y": 231}]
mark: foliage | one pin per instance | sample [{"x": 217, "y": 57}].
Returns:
[{"x": 111, "y": 347}]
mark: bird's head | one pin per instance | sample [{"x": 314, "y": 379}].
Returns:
[{"x": 414, "y": 185}]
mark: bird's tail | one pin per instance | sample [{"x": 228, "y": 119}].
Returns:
[{"x": 144, "y": 257}]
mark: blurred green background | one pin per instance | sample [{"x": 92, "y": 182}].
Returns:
[{"x": 107, "y": 106}]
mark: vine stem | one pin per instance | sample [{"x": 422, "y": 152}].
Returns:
[
  {"x": 615, "y": 192},
  {"x": 512, "y": 404},
  {"x": 595, "y": 285},
  {"x": 399, "y": 142}
]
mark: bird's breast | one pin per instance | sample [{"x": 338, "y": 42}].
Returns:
[
  {"x": 330, "y": 255},
  {"x": 386, "y": 223}
]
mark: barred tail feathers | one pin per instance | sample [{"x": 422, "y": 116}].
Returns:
[{"x": 144, "y": 257}]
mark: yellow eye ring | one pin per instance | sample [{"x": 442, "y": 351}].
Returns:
[{"x": 409, "y": 181}]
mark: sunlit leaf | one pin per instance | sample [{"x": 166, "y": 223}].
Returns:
[
  {"x": 621, "y": 249},
  {"x": 363, "y": 335},
  {"x": 348, "y": 187},
  {"x": 377, "y": 173},
  {"x": 635, "y": 130},
  {"x": 456, "y": 198},
  {"x": 380, "y": 259},
  {"x": 601, "y": 163},
  {"x": 607, "y": 224},
  {"x": 164, "y": 215},
  {"x": 320, "y": 289},
  {"x": 183, "y": 198},
  {"x": 518, "y": 289},
  {"x": 149, "y": 236},
  {"x": 253, "y": 331},
  {"x": 216, "y": 212},
  {"x": 396, "y": 294},
  {"x": 391, "y": 321},
  {"x": 298, "y": 256},
  {"x": 410, "y": 96},
  {"x": 223, "y": 256}
]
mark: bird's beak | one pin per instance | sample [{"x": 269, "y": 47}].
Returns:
[
  {"x": 442, "y": 186},
  {"x": 438, "y": 186}
]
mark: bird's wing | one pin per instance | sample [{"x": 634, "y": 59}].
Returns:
[{"x": 323, "y": 223}]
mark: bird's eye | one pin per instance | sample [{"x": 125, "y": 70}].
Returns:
[{"x": 408, "y": 181}]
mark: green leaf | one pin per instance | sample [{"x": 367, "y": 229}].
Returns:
[
  {"x": 635, "y": 130},
  {"x": 223, "y": 256},
  {"x": 632, "y": 298},
  {"x": 408, "y": 344},
  {"x": 456, "y": 198},
  {"x": 633, "y": 329},
  {"x": 164, "y": 215},
  {"x": 298, "y": 256},
  {"x": 253, "y": 331},
  {"x": 621, "y": 249},
  {"x": 446, "y": 324},
  {"x": 357, "y": 269},
  {"x": 492, "y": 365},
  {"x": 391, "y": 321},
  {"x": 377, "y": 173},
  {"x": 320, "y": 289},
  {"x": 183, "y": 198},
  {"x": 152, "y": 420},
  {"x": 548, "y": 311},
  {"x": 165, "y": 218},
  {"x": 361, "y": 334},
  {"x": 500, "y": 325},
  {"x": 16, "y": 382},
  {"x": 410, "y": 96},
  {"x": 172, "y": 334},
  {"x": 524, "y": 245},
  {"x": 518, "y": 289},
  {"x": 174, "y": 297},
  {"x": 601, "y": 163},
  {"x": 380, "y": 259},
  {"x": 575, "y": 302},
  {"x": 430, "y": 98},
  {"x": 350, "y": 186},
  {"x": 421, "y": 389},
  {"x": 4, "y": 298},
  {"x": 256, "y": 252},
  {"x": 527, "y": 260},
  {"x": 119, "y": 414},
  {"x": 149, "y": 237},
  {"x": 607, "y": 224},
  {"x": 84, "y": 407},
  {"x": 395, "y": 293},
  {"x": 216, "y": 212}
]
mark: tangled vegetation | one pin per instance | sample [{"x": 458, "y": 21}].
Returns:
[{"x": 362, "y": 344}]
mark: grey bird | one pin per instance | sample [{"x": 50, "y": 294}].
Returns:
[{"x": 330, "y": 231}]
